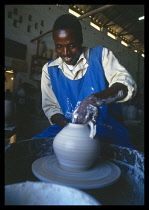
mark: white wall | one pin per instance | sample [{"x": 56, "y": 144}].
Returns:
[{"x": 134, "y": 62}]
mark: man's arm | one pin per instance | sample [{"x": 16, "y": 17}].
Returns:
[
  {"x": 50, "y": 104},
  {"x": 116, "y": 73},
  {"x": 122, "y": 87}
]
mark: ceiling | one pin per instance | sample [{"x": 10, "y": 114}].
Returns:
[{"x": 121, "y": 20}]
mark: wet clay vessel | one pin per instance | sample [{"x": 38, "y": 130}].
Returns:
[{"x": 74, "y": 149}]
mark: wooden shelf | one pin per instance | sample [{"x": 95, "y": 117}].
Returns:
[{"x": 37, "y": 62}]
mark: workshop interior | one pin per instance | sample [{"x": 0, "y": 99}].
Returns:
[{"x": 28, "y": 46}]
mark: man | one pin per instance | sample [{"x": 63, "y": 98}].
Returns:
[{"x": 83, "y": 84}]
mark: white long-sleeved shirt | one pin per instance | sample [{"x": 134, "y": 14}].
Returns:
[{"x": 114, "y": 72}]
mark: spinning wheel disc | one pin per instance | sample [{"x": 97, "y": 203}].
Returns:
[{"x": 104, "y": 173}]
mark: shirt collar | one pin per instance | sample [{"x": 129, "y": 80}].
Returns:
[{"x": 84, "y": 56}]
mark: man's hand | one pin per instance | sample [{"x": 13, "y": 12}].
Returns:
[
  {"x": 60, "y": 120},
  {"x": 86, "y": 112},
  {"x": 88, "y": 109}
]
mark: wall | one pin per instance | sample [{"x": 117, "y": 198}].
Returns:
[{"x": 26, "y": 22}]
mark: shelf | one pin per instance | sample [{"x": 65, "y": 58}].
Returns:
[
  {"x": 40, "y": 61},
  {"x": 40, "y": 57}
]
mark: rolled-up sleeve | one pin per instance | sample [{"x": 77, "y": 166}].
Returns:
[
  {"x": 50, "y": 104},
  {"x": 115, "y": 72}
]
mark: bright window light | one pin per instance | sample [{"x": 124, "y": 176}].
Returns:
[
  {"x": 95, "y": 26},
  {"x": 10, "y": 71},
  {"x": 74, "y": 13},
  {"x": 135, "y": 51},
  {"x": 143, "y": 55},
  {"x": 111, "y": 35},
  {"x": 141, "y": 18},
  {"x": 124, "y": 43}
]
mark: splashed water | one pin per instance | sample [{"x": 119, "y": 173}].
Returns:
[
  {"x": 69, "y": 109},
  {"x": 75, "y": 113},
  {"x": 92, "y": 110},
  {"x": 92, "y": 129},
  {"x": 92, "y": 123}
]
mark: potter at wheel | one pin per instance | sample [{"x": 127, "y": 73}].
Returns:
[{"x": 102, "y": 174}]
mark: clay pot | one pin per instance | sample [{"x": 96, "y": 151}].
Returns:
[
  {"x": 74, "y": 149},
  {"x": 9, "y": 112}
]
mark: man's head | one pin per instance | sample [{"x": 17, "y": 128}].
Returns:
[{"x": 67, "y": 35}]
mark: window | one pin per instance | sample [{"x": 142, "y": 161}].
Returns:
[
  {"x": 95, "y": 26},
  {"x": 124, "y": 43},
  {"x": 111, "y": 35}
]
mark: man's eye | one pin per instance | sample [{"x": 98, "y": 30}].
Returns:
[
  {"x": 59, "y": 47},
  {"x": 72, "y": 46}
]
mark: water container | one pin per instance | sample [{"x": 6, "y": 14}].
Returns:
[
  {"x": 140, "y": 115},
  {"x": 131, "y": 112},
  {"x": 124, "y": 112}
]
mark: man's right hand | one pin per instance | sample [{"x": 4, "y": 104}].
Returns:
[{"x": 60, "y": 120}]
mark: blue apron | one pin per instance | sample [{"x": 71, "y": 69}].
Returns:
[{"x": 69, "y": 92}]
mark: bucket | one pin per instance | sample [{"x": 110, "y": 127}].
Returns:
[
  {"x": 41, "y": 193},
  {"x": 124, "y": 112},
  {"x": 131, "y": 112}
]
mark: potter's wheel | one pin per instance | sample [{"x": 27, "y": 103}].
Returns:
[{"x": 104, "y": 173}]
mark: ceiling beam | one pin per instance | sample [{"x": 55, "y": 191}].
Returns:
[
  {"x": 43, "y": 34},
  {"x": 110, "y": 24},
  {"x": 79, "y": 18},
  {"x": 124, "y": 34},
  {"x": 124, "y": 51},
  {"x": 94, "y": 11},
  {"x": 136, "y": 42}
]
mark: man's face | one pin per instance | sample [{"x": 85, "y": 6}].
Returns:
[{"x": 67, "y": 45}]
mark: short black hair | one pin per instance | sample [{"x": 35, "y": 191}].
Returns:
[{"x": 68, "y": 21}]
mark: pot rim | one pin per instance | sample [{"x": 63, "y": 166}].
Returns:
[{"x": 76, "y": 125}]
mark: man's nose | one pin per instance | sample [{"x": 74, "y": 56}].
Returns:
[{"x": 66, "y": 51}]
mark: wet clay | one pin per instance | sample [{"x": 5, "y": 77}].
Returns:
[{"x": 74, "y": 148}]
